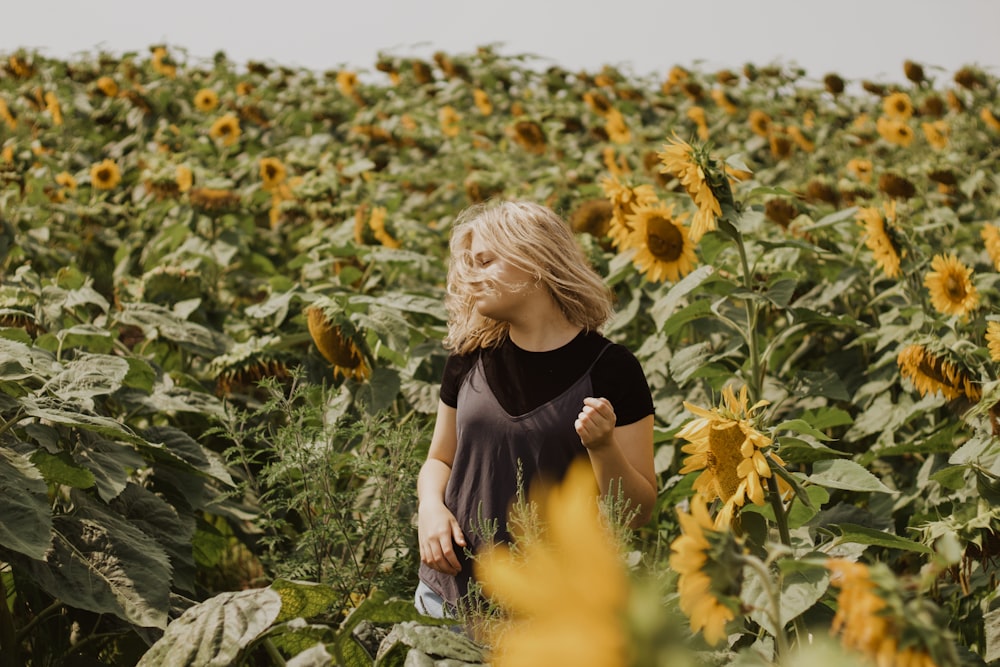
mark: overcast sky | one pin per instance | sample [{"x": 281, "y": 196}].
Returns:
[{"x": 855, "y": 38}]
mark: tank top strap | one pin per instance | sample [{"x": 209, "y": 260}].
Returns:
[{"x": 600, "y": 354}]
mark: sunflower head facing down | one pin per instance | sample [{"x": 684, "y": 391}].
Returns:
[
  {"x": 663, "y": 249},
  {"x": 727, "y": 447},
  {"x": 708, "y": 577},
  {"x": 336, "y": 346},
  {"x": 882, "y": 238},
  {"x": 950, "y": 286},
  {"x": 933, "y": 372},
  {"x": 991, "y": 237}
]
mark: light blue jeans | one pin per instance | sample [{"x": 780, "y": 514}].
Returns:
[{"x": 430, "y": 603}]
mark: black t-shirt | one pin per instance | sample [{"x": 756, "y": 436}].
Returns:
[{"x": 523, "y": 380}]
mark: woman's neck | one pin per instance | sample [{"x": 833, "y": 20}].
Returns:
[{"x": 542, "y": 336}]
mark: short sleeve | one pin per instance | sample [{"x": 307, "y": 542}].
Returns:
[
  {"x": 456, "y": 367},
  {"x": 618, "y": 377}
]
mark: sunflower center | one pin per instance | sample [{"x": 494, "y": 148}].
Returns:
[
  {"x": 955, "y": 289},
  {"x": 664, "y": 240},
  {"x": 724, "y": 456},
  {"x": 103, "y": 174},
  {"x": 270, "y": 172}
]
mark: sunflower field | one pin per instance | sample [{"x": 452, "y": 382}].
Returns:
[{"x": 221, "y": 315}]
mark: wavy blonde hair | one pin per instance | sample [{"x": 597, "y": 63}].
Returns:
[{"x": 536, "y": 240}]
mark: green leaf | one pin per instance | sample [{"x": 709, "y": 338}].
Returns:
[
  {"x": 427, "y": 644},
  {"x": 664, "y": 307},
  {"x": 801, "y": 588},
  {"x": 26, "y": 520},
  {"x": 62, "y": 469},
  {"x": 214, "y": 632},
  {"x": 846, "y": 475},
  {"x": 797, "y": 450},
  {"x": 88, "y": 376},
  {"x": 55, "y": 410},
  {"x": 380, "y": 391},
  {"x": 849, "y": 532},
  {"x": 991, "y": 630},
  {"x": 688, "y": 360},
  {"x": 303, "y": 599},
  {"x": 140, "y": 374},
  {"x": 101, "y": 563},
  {"x": 802, "y": 426},
  {"x": 820, "y": 383},
  {"x": 173, "y": 445}
]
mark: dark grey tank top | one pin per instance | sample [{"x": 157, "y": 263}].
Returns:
[{"x": 491, "y": 443}]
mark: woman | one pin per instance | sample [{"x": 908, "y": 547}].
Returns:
[{"x": 529, "y": 385}]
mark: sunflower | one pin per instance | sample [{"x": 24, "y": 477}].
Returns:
[
  {"x": 760, "y": 123},
  {"x": 449, "y": 120},
  {"x": 347, "y": 82},
  {"x": 482, "y": 101},
  {"x": 675, "y": 77},
  {"x": 834, "y": 83},
  {"x": 529, "y": 135},
  {"x": 968, "y": 77},
  {"x": 377, "y": 224},
  {"x": 566, "y": 589},
  {"x": 991, "y": 237},
  {"x": 896, "y": 186},
  {"x": 696, "y": 115},
  {"x": 781, "y": 146},
  {"x": 616, "y": 128},
  {"x": 913, "y": 71},
  {"x": 695, "y": 170},
  {"x": 336, "y": 347},
  {"x": 272, "y": 173},
  {"x": 625, "y": 199},
  {"x": 162, "y": 63},
  {"x": 7, "y": 115},
  {"x": 206, "y": 99},
  {"x": 725, "y": 101},
  {"x": 66, "y": 180},
  {"x": 800, "y": 139},
  {"x": 950, "y": 285},
  {"x": 936, "y": 134},
  {"x": 894, "y": 130},
  {"x": 184, "y": 177},
  {"x": 933, "y": 106},
  {"x": 780, "y": 210},
  {"x": 597, "y": 102},
  {"x": 214, "y": 199},
  {"x": 52, "y": 106},
  {"x": 861, "y": 168},
  {"x": 993, "y": 339},
  {"x": 107, "y": 86},
  {"x": 931, "y": 373},
  {"x": 226, "y": 129},
  {"x": 105, "y": 175},
  {"x": 986, "y": 114},
  {"x": 593, "y": 216},
  {"x": 724, "y": 443},
  {"x": 663, "y": 249},
  {"x": 705, "y": 589},
  {"x": 897, "y": 106},
  {"x": 882, "y": 238}
]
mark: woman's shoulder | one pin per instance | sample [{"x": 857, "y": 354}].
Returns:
[{"x": 456, "y": 367}]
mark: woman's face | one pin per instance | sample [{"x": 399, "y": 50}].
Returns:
[{"x": 499, "y": 287}]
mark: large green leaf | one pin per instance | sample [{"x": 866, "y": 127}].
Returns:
[
  {"x": 110, "y": 464},
  {"x": 801, "y": 588},
  {"x": 304, "y": 599},
  {"x": 850, "y": 532},
  {"x": 846, "y": 475},
  {"x": 88, "y": 376},
  {"x": 213, "y": 633},
  {"x": 160, "y": 322},
  {"x": 56, "y": 410},
  {"x": 380, "y": 391},
  {"x": 26, "y": 520},
  {"x": 60, "y": 468},
  {"x": 176, "y": 446},
  {"x": 102, "y": 563}
]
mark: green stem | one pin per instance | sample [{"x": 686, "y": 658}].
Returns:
[
  {"x": 273, "y": 653},
  {"x": 780, "y": 516},
  {"x": 22, "y": 634},
  {"x": 773, "y": 589},
  {"x": 755, "y": 382},
  {"x": 9, "y": 649}
]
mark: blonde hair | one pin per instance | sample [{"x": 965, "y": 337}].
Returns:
[{"x": 536, "y": 240}]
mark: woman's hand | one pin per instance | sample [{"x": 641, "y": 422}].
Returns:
[
  {"x": 438, "y": 532},
  {"x": 596, "y": 423}
]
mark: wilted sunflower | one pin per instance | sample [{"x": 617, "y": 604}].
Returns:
[
  {"x": 896, "y": 186},
  {"x": 625, "y": 199},
  {"x": 913, "y": 71},
  {"x": 780, "y": 143},
  {"x": 760, "y": 123},
  {"x": 706, "y": 583},
  {"x": 936, "y": 134},
  {"x": 897, "y": 106},
  {"x": 991, "y": 237},
  {"x": 566, "y": 589},
  {"x": 529, "y": 135},
  {"x": 226, "y": 129},
  {"x": 663, "y": 249},
  {"x": 932, "y": 373},
  {"x": 950, "y": 285},
  {"x": 833, "y": 83},
  {"x": 969, "y": 78},
  {"x": 933, "y": 106},
  {"x": 593, "y": 216},
  {"x": 105, "y": 175},
  {"x": 698, "y": 174},
  {"x": 725, "y": 444},
  {"x": 214, "y": 199},
  {"x": 993, "y": 339},
  {"x": 335, "y": 346},
  {"x": 206, "y": 99},
  {"x": 882, "y": 238},
  {"x": 894, "y": 130},
  {"x": 780, "y": 210}
]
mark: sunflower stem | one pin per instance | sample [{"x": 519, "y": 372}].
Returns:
[
  {"x": 772, "y": 585},
  {"x": 754, "y": 382}
]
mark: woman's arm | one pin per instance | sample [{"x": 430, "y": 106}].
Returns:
[
  {"x": 437, "y": 529},
  {"x": 622, "y": 453}
]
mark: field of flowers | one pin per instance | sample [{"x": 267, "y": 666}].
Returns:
[{"x": 221, "y": 314}]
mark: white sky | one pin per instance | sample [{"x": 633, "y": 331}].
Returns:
[{"x": 855, "y": 38}]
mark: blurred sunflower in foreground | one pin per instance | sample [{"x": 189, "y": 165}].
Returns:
[{"x": 566, "y": 592}]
